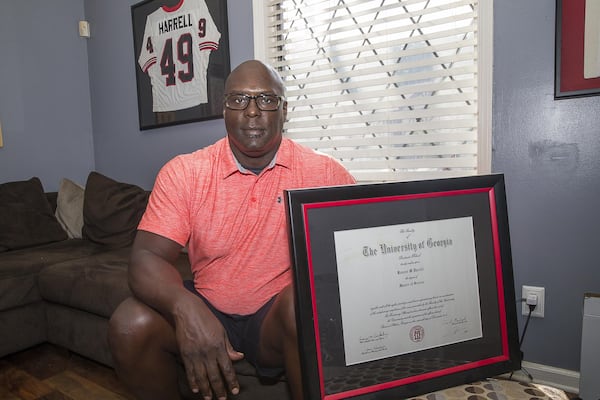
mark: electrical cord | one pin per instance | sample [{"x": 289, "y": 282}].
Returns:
[{"x": 531, "y": 308}]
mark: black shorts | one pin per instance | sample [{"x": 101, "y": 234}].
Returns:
[{"x": 243, "y": 332}]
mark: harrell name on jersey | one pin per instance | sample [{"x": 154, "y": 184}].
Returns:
[{"x": 175, "y": 54}]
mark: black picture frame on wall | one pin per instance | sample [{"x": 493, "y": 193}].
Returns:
[
  {"x": 189, "y": 52},
  {"x": 352, "y": 244},
  {"x": 571, "y": 79}
]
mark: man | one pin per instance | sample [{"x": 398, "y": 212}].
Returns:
[{"x": 225, "y": 203}]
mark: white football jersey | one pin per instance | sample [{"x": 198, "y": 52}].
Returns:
[{"x": 175, "y": 54}]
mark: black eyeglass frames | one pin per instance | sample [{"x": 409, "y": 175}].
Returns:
[{"x": 264, "y": 102}]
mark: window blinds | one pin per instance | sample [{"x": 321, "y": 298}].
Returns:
[{"x": 389, "y": 88}]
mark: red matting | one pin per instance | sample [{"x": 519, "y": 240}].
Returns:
[{"x": 572, "y": 25}]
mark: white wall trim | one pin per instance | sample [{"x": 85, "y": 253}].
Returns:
[
  {"x": 564, "y": 379},
  {"x": 258, "y": 17},
  {"x": 485, "y": 51}
]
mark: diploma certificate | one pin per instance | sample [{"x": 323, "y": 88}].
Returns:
[{"x": 408, "y": 287}]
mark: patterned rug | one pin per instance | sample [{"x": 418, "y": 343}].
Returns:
[{"x": 497, "y": 389}]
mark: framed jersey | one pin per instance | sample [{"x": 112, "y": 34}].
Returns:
[
  {"x": 181, "y": 52},
  {"x": 577, "y": 49}
]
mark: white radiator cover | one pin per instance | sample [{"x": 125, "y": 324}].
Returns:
[{"x": 589, "y": 374}]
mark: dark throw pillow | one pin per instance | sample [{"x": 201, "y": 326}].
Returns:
[
  {"x": 112, "y": 210},
  {"x": 26, "y": 218}
]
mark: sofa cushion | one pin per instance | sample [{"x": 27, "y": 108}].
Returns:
[
  {"x": 69, "y": 207},
  {"x": 96, "y": 284},
  {"x": 112, "y": 210},
  {"x": 19, "y": 269},
  {"x": 26, "y": 217},
  {"x": 51, "y": 197},
  {"x": 21, "y": 327}
]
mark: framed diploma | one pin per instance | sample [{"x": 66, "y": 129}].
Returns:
[{"x": 402, "y": 288}]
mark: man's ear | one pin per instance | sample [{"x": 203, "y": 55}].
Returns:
[{"x": 284, "y": 108}]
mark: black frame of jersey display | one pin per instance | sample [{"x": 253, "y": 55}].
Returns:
[{"x": 189, "y": 87}]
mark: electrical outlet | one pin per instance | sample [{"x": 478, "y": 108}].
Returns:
[
  {"x": 84, "y": 29},
  {"x": 539, "y": 293}
]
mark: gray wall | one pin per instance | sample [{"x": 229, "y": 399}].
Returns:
[
  {"x": 48, "y": 118},
  {"x": 44, "y": 92},
  {"x": 549, "y": 151}
]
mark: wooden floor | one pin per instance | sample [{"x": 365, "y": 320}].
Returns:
[{"x": 47, "y": 372}]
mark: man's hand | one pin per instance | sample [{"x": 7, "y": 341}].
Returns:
[
  {"x": 205, "y": 349},
  {"x": 202, "y": 341}
]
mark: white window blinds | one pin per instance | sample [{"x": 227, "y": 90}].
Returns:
[{"x": 389, "y": 88}]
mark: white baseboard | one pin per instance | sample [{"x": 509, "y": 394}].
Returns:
[{"x": 564, "y": 379}]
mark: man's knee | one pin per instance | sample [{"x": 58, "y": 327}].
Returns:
[{"x": 132, "y": 326}]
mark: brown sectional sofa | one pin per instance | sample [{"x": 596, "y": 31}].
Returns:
[
  {"x": 62, "y": 275},
  {"x": 60, "y": 288}
]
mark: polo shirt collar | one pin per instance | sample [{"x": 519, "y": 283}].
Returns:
[{"x": 231, "y": 165}]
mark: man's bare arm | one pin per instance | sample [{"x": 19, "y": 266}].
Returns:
[
  {"x": 203, "y": 344},
  {"x": 152, "y": 276}
]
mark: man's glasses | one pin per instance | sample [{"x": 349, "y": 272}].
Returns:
[{"x": 264, "y": 102}]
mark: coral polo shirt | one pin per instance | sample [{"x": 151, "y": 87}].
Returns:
[{"x": 233, "y": 221}]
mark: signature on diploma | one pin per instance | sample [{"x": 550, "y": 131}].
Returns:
[
  {"x": 373, "y": 338},
  {"x": 458, "y": 321},
  {"x": 376, "y": 349},
  {"x": 457, "y": 324}
]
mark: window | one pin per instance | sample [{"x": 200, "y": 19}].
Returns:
[{"x": 395, "y": 90}]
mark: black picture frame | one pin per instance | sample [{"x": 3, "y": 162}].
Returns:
[
  {"x": 569, "y": 79},
  {"x": 217, "y": 70},
  {"x": 315, "y": 215}
]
